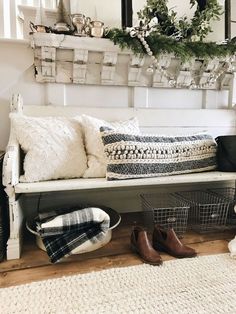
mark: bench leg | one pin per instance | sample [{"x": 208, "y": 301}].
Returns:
[
  {"x": 14, "y": 243},
  {"x": 13, "y": 249}
]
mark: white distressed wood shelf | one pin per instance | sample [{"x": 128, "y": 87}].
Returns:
[{"x": 97, "y": 61}]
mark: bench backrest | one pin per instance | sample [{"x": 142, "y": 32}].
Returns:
[{"x": 151, "y": 120}]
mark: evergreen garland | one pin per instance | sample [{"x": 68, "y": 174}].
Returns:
[
  {"x": 166, "y": 34},
  {"x": 160, "y": 44}
]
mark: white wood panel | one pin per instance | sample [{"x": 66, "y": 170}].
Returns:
[
  {"x": 147, "y": 117},
  {"x": 216, "y": 99},
  {"x": 117, "y": 96},
  {"x": 159, "y": 98},
  {"x": 55, "y": 94},
  {"x": 94, "y": 96},
  {"x": 141, "y": 97},
  {"x": 187, "y": 99}
]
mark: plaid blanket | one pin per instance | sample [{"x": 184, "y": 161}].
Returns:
[{"x": 61, "y": 234}]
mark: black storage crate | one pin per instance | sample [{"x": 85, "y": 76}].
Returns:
[
  {"x": 208, "y": 211},
  {"x": 228, "y": 194},
  {"x": 166, "y": 210}
]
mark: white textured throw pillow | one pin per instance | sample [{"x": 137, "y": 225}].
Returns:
[
  {"x": 93, "y": 143},
  {"x": 53, "y": 146}
]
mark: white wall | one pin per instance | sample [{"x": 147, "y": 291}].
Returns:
[
  {"x": 17, "y": 75},
  {"x": 101, "y": 10}
]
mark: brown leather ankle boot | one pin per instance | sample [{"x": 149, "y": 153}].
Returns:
[
  {"x": 167, "y": 241},
  {"x": 141, "y": 245}
]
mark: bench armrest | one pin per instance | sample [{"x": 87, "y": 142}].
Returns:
[
  {"x": 11, "y": 162},
  {"x": 11, "y": 166}
]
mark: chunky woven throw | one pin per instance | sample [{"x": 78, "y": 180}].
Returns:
[
  {"x": 139, "y": 156},
  {"x": 197, "y": 285}
]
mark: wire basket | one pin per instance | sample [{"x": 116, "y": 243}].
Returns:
[
  {"x": 166, "y": 210},
  {"x": 228, "y": 194},
  {"x": 208, "y": 211}
]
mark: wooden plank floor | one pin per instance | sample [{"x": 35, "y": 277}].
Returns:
[{"x": 34, "y": 264}]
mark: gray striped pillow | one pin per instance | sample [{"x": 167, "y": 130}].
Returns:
[{"x": 139, "y": 156}]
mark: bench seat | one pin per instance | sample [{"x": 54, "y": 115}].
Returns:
[{"x": 102, "y": 183}]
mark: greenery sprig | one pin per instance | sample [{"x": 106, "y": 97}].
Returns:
[{"x": 207, "y": 11}]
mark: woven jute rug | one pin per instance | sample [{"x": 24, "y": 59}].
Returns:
[{"x": 199, "y": 285}]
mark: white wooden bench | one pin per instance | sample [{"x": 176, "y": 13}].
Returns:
[{"x": 153, "y": 120}]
